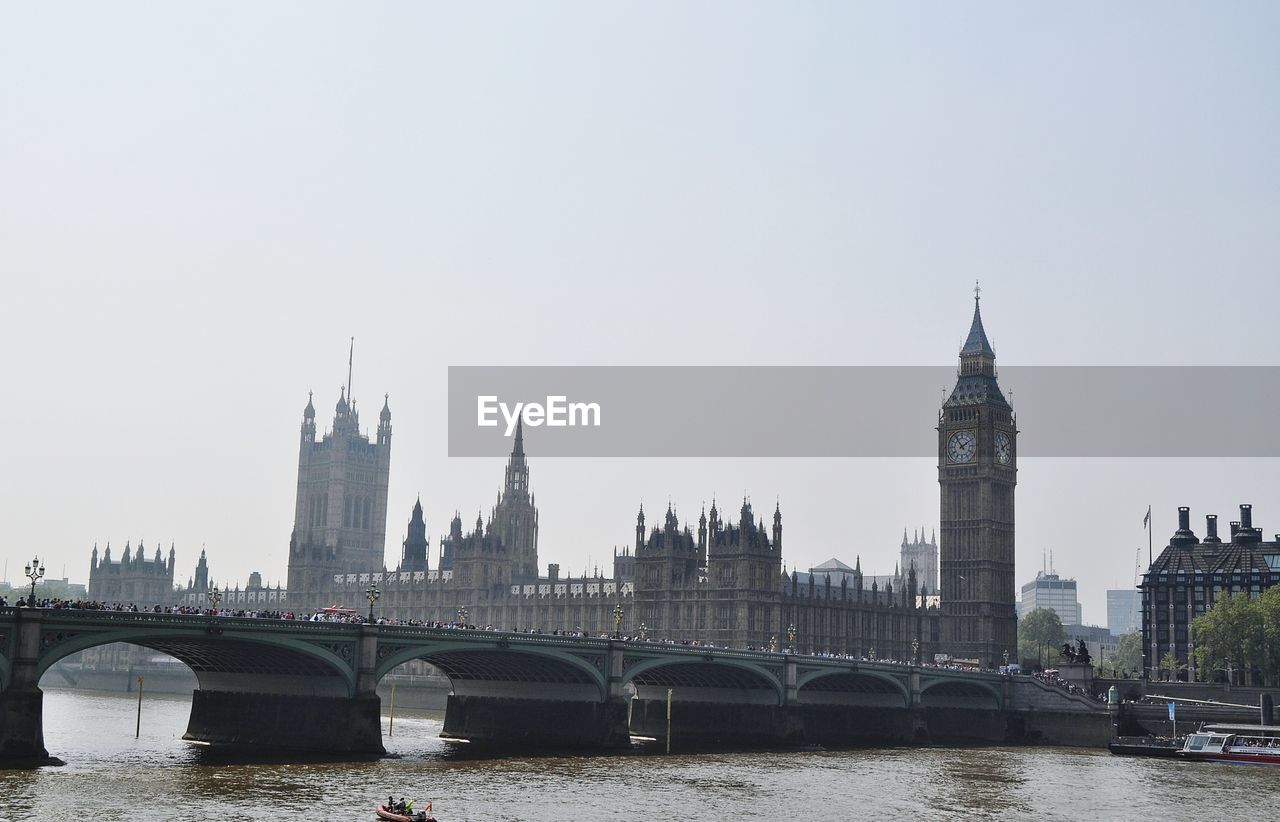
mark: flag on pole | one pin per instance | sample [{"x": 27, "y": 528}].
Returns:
[
  {"x": 1147, "y": 519},
  {"x": 1172, "y": 711}
]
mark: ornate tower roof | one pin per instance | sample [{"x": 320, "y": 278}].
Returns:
[
  {"x": 976, "y": 342},
  {"x": 977, "y": 378}
]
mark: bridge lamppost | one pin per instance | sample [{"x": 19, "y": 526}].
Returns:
[
  {"x": 372, "y": 594},
  {"x": 617, "y": 621},
  {"x": 644, "y": 632},
  {"x": 1006, "y": 660},
  {"x": 915, "y": 650},
  {"x": 873, "y": 653},
  {"x": 215, "y": 596},
  {"x": 34, "y": 571},
  {"x": 462, "y": 617},
  {"x": 773, "y": 643},
  {"x": 791, "y": 638}
]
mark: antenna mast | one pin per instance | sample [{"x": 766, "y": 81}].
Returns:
[{"x": 351, "y": 355}]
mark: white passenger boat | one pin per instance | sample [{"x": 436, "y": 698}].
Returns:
[{"x": 1247, "y": 744}]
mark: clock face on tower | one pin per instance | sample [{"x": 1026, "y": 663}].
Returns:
[
  {"x": 962, "y": 446},
  {"x": 1004, "y": 448}
]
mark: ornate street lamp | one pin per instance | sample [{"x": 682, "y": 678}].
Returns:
[
  {"x": 644, "y": 632},
  {"x": 873, "y": 653},
  {"x": 773, "y": 643},
  {"x": 215, "y": 596},
  {"x": 617, "y": 621},
  {"x": 1006, "y": 659},
  {"x": 915, "y": 650},
  {"x": 34, "y": 571},
  {"x": 791, "y": 638},
  {"x": 462, "y": 617},
  {"x": 372, "y": 594}
]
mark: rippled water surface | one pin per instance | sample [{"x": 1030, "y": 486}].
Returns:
[{"x": 111, "y": 776}]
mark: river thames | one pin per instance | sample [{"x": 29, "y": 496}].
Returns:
[{"x": 109, "y": 775}]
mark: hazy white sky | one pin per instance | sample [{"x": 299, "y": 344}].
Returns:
[{"x": 200, "y": 203}]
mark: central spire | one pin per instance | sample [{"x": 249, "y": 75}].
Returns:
[
  {"x": 977, "y": 372},
  {"x": 517, "y": 479},
  {"x": 976, "y": 343}
]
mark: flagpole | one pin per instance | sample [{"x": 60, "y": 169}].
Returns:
[{"x": 1149, "y": 530}]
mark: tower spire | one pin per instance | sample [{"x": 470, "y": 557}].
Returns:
[
  {"x": 976, "y": 342},
  {"x": 351, "y": 357}
]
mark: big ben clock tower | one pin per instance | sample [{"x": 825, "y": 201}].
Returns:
[{"x": 977, "y": 472}]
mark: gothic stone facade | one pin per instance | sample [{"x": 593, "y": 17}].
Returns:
[
  {"x": 977, "y": 472},
  {"x": 725, "y": 584},
  {"x": 133, "y": 579},
  {"x": 340, "y": 514}
]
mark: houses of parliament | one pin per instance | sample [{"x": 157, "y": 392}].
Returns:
[{"x": 723, "y": 582}]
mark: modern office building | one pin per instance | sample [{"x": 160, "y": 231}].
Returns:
[
  {"x": 1124, "y": 611},
  {"x": 1048, "y": 590}
]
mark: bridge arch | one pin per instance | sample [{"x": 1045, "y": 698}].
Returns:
[
  {"x": 279, "y": 663},
  {"x": 471, "y": 665},
  {"x": 710, "y": 672},
  {"x": 974, "y": 693},
  {"x": 857, "y": 685}
]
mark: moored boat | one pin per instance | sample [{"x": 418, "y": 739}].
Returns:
[
  {"x": 1145, "y": 746},
  {"x": 1245, "y": 744}
]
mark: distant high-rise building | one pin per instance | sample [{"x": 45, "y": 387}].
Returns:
[
  {"x": 1050, "y": 591},
  {"x": 1124, "y": 611}
]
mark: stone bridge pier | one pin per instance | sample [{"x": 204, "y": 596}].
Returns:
[
  {"x": 516, "y": 699},
  {"x": 21, "y": 700},
  {"x": 312, "y": 710},
  {"x": 303, "y": 687},
  {"x": 714, "y": 702}
]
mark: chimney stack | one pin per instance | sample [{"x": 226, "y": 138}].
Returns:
[
  {"x": 1246, "y": 515},
  {"x": 1184, "y": 534},
  {"x": 1211, "y": 528}
]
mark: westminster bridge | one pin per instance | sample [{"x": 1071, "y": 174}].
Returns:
[{"x": 310, "y": 686}]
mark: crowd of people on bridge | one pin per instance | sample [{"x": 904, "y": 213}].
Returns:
[
  {"x": 1051, "y": 677},
  {"x": 350, "y": 616}
]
